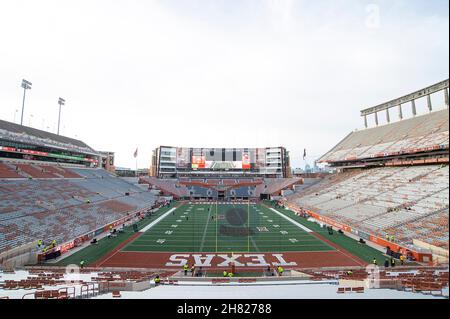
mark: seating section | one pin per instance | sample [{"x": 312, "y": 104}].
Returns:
[
  {"x": 53, "y": 283},
  {"x": 60, "y": 171},
  {"x": 22, "y": 197},
  {"x": 64, "y": 208},
  {"x": 433, "y": 229},
  {"x": 228, "y": 182},
  {"x": 275, "y": 185},
  {"x": 236, "y": 188},
  {"x": 394, "y": 200},
  {"x": 426, "y": 281},
  {"x": 425, "y": 132},
  {"x": 8, "y": 172},
  {"x": 92, "y": 173},
  {"x": 21, "y": 170},
  {"x": 211, "y": 181},
  {"x": 36, "y": 171},
  {"x": 245, "y": 191},
  {"x": 198, "y": 191},
  {"x": 167, "y": 186}
]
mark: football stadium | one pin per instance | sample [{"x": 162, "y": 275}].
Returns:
[
  {"x": 225, "y": 217},
  {"x": 279, "y": 150}
]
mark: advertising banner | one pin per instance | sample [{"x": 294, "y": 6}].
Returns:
[
  {"x": 67, "y": 246},
  {"x": 198, "y": 161},
  {"x": 34, "y": 152}
]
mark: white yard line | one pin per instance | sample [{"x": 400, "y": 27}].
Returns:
[
  {"x": 251, "y": 237},
  {"x": 206, "y": 227},
  {"x": 153, "y": 223},
  {"x": 292, "y": 221}
]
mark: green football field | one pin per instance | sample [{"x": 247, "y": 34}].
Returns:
[
  {"x": 197, "y": 231},
  {"x": 225, "y": 228}
]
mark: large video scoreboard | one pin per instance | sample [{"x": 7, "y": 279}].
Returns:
[{"x": 171, "y": 161}]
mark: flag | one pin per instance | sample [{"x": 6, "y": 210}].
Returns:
[
  {"x": 304, "y": 153},
  {"x": 135, "y": 153}
]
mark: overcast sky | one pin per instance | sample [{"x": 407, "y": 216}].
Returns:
[{"x": 225, "y": 73}]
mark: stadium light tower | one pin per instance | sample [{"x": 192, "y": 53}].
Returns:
[
  {"x": 26, "y": 86},
  {"x": 61, "y": 102}
]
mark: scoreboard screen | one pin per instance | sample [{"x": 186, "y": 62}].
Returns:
[
  {"x": 188, "y": 161},
  {"x": 215, "y": 158}
]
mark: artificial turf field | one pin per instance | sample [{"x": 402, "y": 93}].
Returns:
[
  {"x": 225, "y": 228},
  {"x": 249, "y": 232}
]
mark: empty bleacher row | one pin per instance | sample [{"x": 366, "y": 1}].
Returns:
[
  {"x": 57, "y": 283},
  {"x": 203, "y": 192},
  {"x": 20, "y": 170},
  {"x": 432, "y": 229},
  {"x": 244, "y": 191},
  {"x": 427, "y": 281},
  {"x": 425, "y": 132},
  {"x": 22, "y": 197},
  {"x": 168, "y": 186},
  {"x": 234, "y": 187},
  {"x": 275, "y": 185},
  {"x": 64, "y": 208},
  {"x": 220, "y": 181},
  {"x": 386, "y": 199},
  {"x": 8, "y": 172}
]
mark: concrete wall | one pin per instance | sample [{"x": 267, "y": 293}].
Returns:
[
  {"x": 125, "y": 286},
  {"x": 440, "y": 255},
  {"x": 19, "y": 256}
]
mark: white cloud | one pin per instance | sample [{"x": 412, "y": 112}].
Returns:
[{"x": 280, "y": 13}]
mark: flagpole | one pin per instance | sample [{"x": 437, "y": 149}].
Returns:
[
  {"x": 136, "y": 157},
  {"x": 304, "y": 158}
]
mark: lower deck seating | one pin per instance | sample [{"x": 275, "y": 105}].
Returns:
[
  {"x": 276, "y": 185},
  {"x": 64, "y": 208},
  {"x": 36, "y": 171},
  {"x": 395, "y": 200},
  {"x": 6, "y": 171}
]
